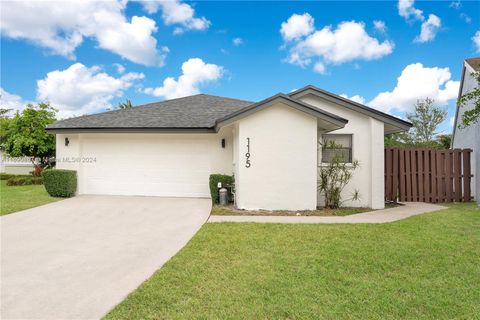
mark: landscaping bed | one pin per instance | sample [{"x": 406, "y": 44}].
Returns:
[
  {"x": 231, "y": 211},
  {"x": 20, "y": 179}
]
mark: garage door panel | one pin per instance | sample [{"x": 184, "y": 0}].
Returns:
[{"x": 147, "y": 166}]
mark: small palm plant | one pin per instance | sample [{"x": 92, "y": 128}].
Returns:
[
  {"x": 125, "y": 105},
  {"x": 334, "y": 176}
]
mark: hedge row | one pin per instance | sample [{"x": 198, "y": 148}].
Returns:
[
  {"x": 6, "y": 176},
  {"x": 60, "y": 183},
  {"x": 213, "y": 182},
  {"x": 24, "y": 180}
]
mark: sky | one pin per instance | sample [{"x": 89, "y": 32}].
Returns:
[{"x": 87, "y": 56}]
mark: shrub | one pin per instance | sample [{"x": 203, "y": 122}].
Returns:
[
  {"x": 24, "y": 180},
  {"x": 334, "y": 176},
  {"x": 213, "y": 182},
  {"x": 6, "y": 176},
  {"x": 60, "y": 183}
]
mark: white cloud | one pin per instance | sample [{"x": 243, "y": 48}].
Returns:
[
  {"x": 476, "y": 41},
  {"x": 237, "y": 41},
  {"x": 356, "y": 98},
  {"x": 455, "y": 4},
  {"x": 195, "y": 73},
  {"x": 297, "y": 26},
  {"x": 62, "y": 27},
  {"x": 429, "y": 29},
  {"x": 11, "y": 101},
  {"x": 348, "y": 42},
  {"x": 466, "y": 17},
  {"x": 174, "y": 12},
  {"x": 319, "y": 68},
  {"x": 79, "y": 90},
  {"x": 380, "y": 26},
  {"x": 417, "y": 82},
  {"x": 408, "y": 11},
  {"x": 120, "y": 68}
]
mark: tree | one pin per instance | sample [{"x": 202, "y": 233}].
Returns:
[
  {"x": 398, "y": 140},
  {"x": 125, "y": 105},
  {"x": 425, "y": 120},
  {"x": 471, "y": 116},
  {"x": 4, "y": 122},
  {"x": 25, "y": 135},
  {"x": 4, "y": 112},
  {"x": 445, "y": 140}
]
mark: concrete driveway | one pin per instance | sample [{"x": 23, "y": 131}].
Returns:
[{"x": 78, "y": 258}]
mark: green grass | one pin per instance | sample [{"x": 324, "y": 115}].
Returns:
[
  {"x": 231, "y": 211},
  {"x": 16, "y": 198},
  {"x": 424, "y": 267}
]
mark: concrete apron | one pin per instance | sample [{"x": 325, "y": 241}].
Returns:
[{"x": 78, "y": 258}]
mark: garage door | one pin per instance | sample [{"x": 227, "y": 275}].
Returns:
[{"x": 150, "y": 165}]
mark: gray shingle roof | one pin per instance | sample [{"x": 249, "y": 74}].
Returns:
[{"x": 193, "y": 112}]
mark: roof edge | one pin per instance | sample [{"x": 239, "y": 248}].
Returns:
[
  {"x": 129, "y": 130},
  {"x": 457, "y": 107},
  {"x": 382, "y": 116},
  {"x": 327, "y": 116}
]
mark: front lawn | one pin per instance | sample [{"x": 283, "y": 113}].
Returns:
[
  {"x": 231, "y": 211},
  {"x": 425, "y": 267},
  {"x": 16, "y": 198}
]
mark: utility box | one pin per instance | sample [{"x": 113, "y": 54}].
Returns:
[{"x": 223, "y": 192}]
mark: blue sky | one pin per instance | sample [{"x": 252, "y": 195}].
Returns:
[{"x": 70, "y": 55}]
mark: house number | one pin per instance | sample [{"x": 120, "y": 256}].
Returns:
[{"x": 247, "y": 155}]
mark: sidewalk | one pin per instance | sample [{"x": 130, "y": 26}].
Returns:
[{"x": 408, "y": 209}]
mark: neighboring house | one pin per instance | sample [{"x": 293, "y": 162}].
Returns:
[
  {"x": 469, "y": 137},
  {"x": 170, "y": 148},
  {"x": 11, "y": 165}
]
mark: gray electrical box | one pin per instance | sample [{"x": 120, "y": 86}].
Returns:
[{"x": 223, "y": 196}]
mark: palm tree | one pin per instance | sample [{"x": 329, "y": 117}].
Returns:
[{"x": 125, "y": 105}]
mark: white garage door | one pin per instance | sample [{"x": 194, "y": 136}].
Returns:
[{"x": 146, "y": 164}]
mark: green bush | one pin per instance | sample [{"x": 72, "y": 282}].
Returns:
[
  {"x": 6, "y": 176},
  {"x": 24, "y": 180},
  {"x": 213, "y": 182},
  {"x": 60, "y": 183}
]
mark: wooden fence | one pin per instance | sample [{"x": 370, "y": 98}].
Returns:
[{"x": 427, "y": 175}]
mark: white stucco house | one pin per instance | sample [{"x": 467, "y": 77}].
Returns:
[
  {"x": 272, "y": 147},
  {"x": 469, "y": 137}
]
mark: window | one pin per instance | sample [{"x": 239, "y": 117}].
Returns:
[{"x": 336, "y": 145}]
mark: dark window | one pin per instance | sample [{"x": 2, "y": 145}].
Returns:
[{"x": 336, "y": 145}]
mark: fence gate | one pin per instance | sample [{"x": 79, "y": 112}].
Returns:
[{"x": 427, "y": 175}]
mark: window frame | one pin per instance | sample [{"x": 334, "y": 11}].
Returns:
[{"x": 327, "y": 135}]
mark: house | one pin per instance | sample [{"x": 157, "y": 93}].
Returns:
[
  {"x": 469, "y": 137},
  {"x": 272, "y": 147}
]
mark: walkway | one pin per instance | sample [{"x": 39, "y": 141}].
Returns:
[{"x": 408, "y": 209}]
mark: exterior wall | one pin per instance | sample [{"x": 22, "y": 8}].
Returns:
[
  {"x": 222, "y": 158},
  {"x": 146, "y": 164},
  {"x": 282, "y": 175},
  {"x": 368, "y": 149},
  {"x": 17, "y": 169},
  {"x": 469, "y": 137},
  {"x": 15, "y": 166}
]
